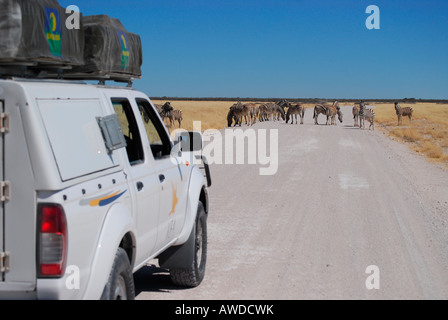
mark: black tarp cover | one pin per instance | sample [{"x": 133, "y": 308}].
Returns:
[
  {"x": 35, "y": 31},
  {"x": 109, "y": 48}
]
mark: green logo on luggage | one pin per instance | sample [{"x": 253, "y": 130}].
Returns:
[
  {"x": 53, "y": 30},
  {"x": 124, "y": 50}
]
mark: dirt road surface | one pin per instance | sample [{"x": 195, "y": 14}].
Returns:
[{"x": 343, "y": 199}]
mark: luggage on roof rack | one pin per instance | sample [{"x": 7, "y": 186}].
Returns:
[
  {"x": 111, "y": 52},
  {"x": 33, "y": 34},
  {"x": 35, "y": 43}
]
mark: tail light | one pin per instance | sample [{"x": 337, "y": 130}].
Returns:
[{"x": 52, "y": 241}]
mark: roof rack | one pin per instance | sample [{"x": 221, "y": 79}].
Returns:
[
  {"x": 103, "y": 77},
  {"x": 49, "y": 70}
]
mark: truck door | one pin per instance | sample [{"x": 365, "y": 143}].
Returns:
[
  {"x": 143, "y": 181},
  {"x": 172, "y": 183}
]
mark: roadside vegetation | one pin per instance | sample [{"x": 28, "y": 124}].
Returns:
[
  {"x": 426, "y": 135},
  {"x": 212, "y": 114}
]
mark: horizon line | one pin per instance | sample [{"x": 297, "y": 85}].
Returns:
[{"x": 402, "y": 100}]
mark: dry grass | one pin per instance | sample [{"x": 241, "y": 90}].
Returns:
[
  {"x": 428, "y": 133},
  {"x": 212, "y": 114}
]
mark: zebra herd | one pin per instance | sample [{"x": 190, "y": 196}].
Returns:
[
  {"x": 251, "y": 112},
  {"x": 169, "y": 115}
]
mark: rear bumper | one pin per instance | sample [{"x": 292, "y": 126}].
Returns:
[{"x": 17, "y": 292}]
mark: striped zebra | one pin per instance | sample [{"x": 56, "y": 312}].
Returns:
[
  {"x": 271, "y": 111},
  {"x": 240, "y": 111},
  {"x": 176, "y": 115},
  {"x": 323, "y": 109},
  {"x": 369, "y": 115},
  {"x": 355, "y": 112},
  {"x": 403, "y": 112},
  {"x": 232, "y": 116},
  {"x": 295, "y": 110},
  {"x": 366, "y": 114},
  {"x": 362, "y": 111},
  {"x": 278, "y": 112},
  {"x": 319, "y": 109},
  {"x": 332, "y": 111},
  {"x": 163, "y": 109},
  {"x": 263, "y": 114},
  {"x": 165, "y": 113}
]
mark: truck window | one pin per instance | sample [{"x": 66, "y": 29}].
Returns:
[
  {"x": 158, "y": 139},
  {"x": 75, "y": 137},
  {"x": 129, "y": 127}
]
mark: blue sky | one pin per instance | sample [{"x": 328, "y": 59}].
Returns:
[{"x": 286, "y": 48}]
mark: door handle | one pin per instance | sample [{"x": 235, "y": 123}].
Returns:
[
  {"x": 162, "y": 178},
  {"x": 140, "y": 186}
]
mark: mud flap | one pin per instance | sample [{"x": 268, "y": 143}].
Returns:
[{"x": 179, "y": 257}]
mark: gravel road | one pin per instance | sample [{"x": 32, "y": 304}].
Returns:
[{"x": 343, "y": 199}]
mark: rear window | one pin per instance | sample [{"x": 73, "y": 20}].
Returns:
[{"x": 75, "y": 136}]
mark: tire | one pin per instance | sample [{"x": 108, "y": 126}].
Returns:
[
  {"x": 120, "y": 285},
  {"x": 192, "y": 276}
]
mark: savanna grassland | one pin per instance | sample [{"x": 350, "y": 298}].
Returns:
[
  {"x": 212, "y": 114},
  {"x": 427, "y": 135},
  {"x": 428, "y": 132}
]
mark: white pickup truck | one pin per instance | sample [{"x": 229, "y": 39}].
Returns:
[{"x": 92, "y": 187}]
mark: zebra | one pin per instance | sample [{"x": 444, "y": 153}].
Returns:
[
  {"x": 254, "y": 111},
  {"x": 362, "y": 111},
  {"x": 366, "y": 114},
  {"x": 239, "y": 111},
  {"x": 403, "y": 112},
  {"x": 270, "y": 111},
  {"x": 355, "y": 113},
  {"x": 163, "y": 108},
  {"x": 231, "y": 116},
  {"x": 369, "y": 115},
  {"x": 235, "y": 114},
  {"x": 263, "y": 114},
  {"x": 332, "y": 111},
  {"x": 283, "y": 104},
  {"x": 278, "y": 112},
  {"x": 176, "y": 115},
  {"x": 293, "y": 111},
  {"x": 165, "y": 112},
  {"x": 319, "y": 109}
]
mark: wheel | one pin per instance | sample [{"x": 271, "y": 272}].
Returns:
[
  {"x": 120, "y": 285},
  {"x": 194, "y": 274}
]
